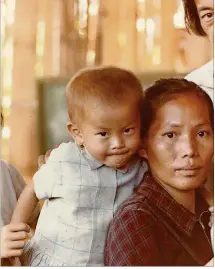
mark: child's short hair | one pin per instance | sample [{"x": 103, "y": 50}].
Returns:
[
  {"x": 108, "y": 85},
  {"x": 165, "y": 90}
]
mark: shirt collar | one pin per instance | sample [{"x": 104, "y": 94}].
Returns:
[
  {"x": 182, "y": 218},
  {"x": 94, "y": 164}
]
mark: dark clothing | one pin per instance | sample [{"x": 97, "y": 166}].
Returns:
[{"x": 151, "y": 228}]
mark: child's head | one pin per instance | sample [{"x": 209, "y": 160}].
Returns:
[
  {"x": 178, "y": 133},
  {"x": 104, "y": 110}
]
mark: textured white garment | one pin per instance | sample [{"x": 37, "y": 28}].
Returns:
[
  {"x": 203, "y": 77},
  {"x": 81, "y": 197}
]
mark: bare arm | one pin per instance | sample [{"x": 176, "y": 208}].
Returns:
[{"x": 26, "y": 204}]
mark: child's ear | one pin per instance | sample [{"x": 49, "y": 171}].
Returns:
[
  {"x": 75, "y": 133},
  {"x": 142, "y": 151}
]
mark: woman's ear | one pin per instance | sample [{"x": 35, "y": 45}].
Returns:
[
  {"x": 142, "y": 152},
  {"x": 75, "y": 133}
]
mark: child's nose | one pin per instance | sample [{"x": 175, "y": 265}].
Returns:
[{"x": 118, "y": 143}]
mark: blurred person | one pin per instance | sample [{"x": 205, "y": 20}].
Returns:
[
  {"x": 83, "y": 183},
  {"x": 199, "y": 18},
  {"x": 12, "y": 235},
  {"x": 166, "y": 221}
]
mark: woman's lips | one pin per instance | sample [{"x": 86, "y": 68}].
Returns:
[{"x": 188, "y": 171}]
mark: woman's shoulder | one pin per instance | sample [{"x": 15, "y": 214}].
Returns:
[
  {"x": 135, "y": 209},
  {"x": 9, "y": 168},
  {"x": 10, "y": 173}
]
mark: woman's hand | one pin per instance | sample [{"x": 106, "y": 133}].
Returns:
[
  {"x": 43, "y": 158},
  {"x": 13, "y": 239}
]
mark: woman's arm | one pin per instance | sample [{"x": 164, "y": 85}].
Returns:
[{"x": 26, "y": 204}]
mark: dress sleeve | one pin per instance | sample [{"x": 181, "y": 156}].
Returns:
[
  {"x": 17, "y": 180},
  {"x": 46, "y": 180},
  {"x": 131, "y": 241}
]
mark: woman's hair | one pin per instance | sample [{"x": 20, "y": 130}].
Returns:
[
  {"x": 2, "y": 120},
  {"x": 165, "y": 90},
  {"x": 107, "y": 85},
  {"x": 191, "y": 17}
]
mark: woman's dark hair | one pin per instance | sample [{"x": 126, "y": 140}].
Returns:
[
  {"x": 191, "y": 17},
  {"x": 165, "y": 90},
  {"x": 2, "y": 120}
]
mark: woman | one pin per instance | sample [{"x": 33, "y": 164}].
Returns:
[
  {"x": 165, "y": 222},
  {"x": 12, "y": 235},
  {"x": 199, "y": 18}
]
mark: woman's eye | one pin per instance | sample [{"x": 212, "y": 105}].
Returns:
[
  {"x": 202, "y": 133},
  {"x": 207, "y": 17},
  {"x": 169, "y": 135},
  {"x": 128, "y": 130},
  {"x": 103, "y": 134}
]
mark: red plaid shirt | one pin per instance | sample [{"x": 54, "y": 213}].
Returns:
[{"x": 137, "y": 237}]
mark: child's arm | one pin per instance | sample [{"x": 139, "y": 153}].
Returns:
[{"x": 26, "y": 204}]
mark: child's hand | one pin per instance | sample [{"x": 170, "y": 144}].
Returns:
[{"x": 13, "y": 238}]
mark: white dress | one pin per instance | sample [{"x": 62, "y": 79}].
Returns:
[{"x": 203, "y": 77}]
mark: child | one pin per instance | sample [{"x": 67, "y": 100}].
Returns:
[{"x": 84, "y": 182}]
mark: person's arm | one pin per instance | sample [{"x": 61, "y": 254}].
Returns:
[
  {"x": 13, "y": 239},
  {"x": 26, "y": 204},
  {"x": 131, "y": 241},
  {"x": 19, "y": 185}
]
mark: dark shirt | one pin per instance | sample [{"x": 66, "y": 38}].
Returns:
[{"x": 138, "y": 235}]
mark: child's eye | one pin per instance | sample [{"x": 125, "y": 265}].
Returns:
[
  {"x": 103, "y": 134},
  {"x": 169, "y": 135},
  {"x": 128, "y": 130}
]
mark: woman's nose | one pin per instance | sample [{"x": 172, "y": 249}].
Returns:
[{"x": 188, "y": 147}]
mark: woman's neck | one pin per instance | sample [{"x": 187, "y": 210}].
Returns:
[{"x": 186, "y": 198}]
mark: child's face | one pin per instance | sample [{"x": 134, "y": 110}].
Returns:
[
  {"x": 179, "y": 146},
  {"x": 111, "y": 134}
]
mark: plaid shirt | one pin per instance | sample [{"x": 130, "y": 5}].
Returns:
[{"x": 137, "y": 237}]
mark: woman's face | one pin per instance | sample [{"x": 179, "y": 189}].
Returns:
[
  {"x": 205, "y": 10},
  {"x": 179, "y": 146}
]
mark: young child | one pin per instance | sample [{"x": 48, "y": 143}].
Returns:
[{"x": 85, "y": 182}]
